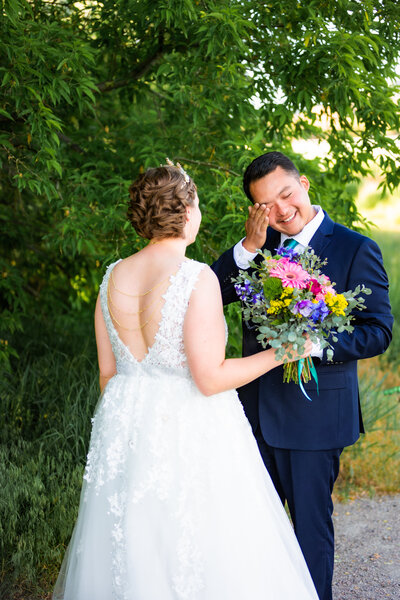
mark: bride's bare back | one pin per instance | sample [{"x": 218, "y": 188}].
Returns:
[
  {"x": 135, "y": 295},
  {"x": 136, "y": 290}
]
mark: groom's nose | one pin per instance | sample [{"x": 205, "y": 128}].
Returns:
[{"x": 281, "y": 208}]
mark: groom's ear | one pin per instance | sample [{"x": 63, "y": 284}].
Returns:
[{"x": 304, "y": 182}]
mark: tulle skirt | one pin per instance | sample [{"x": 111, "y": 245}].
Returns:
[{"x": 176, "y": 503}]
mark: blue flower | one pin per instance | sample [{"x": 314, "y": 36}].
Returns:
[
  {"x": 245, "y": 291},
  {"x": 289, "y": 253},
  {"x": 257, "y": 297},
  {"x": 320, "y": 311}
]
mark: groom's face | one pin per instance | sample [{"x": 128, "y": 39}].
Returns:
[{"x": 286, "y": 195}]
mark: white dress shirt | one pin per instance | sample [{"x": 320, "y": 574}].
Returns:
[{"x": 243, "y": 257}]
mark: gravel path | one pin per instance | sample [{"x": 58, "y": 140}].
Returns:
[{"x": 367, "y": 549}]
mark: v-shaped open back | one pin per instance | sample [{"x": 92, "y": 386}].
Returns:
[
  {"x": 137, "y": 329},
  {"x": 166, "y": 347}
]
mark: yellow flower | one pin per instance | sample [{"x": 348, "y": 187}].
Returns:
[
  {"x": 275, "y": 307},
  {"x": 286, "y": 292},
  {"x": 337, "y": 303},
  {"x": 280, "y": 304}
]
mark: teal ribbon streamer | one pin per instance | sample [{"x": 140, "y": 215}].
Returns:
[
  {"x": 300, "y": 366},
  {"x": 313, "y": 371}
]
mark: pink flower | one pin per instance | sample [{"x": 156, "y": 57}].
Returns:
[
  {"x": 325, "y": 279},
  {"x": 315, "y": 286},
  {"x": 273, "y": 262},
  {"x": 321, "y": 287},
  {"x": 291, "y": 275},
  {"x": 329, "y": 290},
  {"x": 320, "y": 296}
]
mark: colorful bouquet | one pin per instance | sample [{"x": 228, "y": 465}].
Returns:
[{"x": 286, "y": 297}]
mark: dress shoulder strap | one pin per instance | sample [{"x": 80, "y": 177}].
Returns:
[
  {"x": 188, "y": 276},
  {"x": 103, "y": 291}
]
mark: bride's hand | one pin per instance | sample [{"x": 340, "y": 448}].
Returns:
[{"x": 294, "y": 353}]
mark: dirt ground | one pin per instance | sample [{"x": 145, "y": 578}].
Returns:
[{"x": 367, "y": 556}]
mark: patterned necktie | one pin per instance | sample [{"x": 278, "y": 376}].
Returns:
[{"x": 290, "y": 243}]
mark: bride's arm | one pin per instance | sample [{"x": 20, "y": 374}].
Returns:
[
  {"x": 204, "y": 338},
  {"x": 107, "y": 366}
]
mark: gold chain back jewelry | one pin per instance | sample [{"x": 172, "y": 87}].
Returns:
[
  {"x": 134, "y": 296},
  {"x": 137, "y": 295},
  {"x": 139, "y": 312},
  {"x": 131, "y": 328}
]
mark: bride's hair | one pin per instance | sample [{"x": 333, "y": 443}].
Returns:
[{"x": 158, "y": 201}]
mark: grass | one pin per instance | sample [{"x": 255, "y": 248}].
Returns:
[
  {"x": 383, "y": 211},
  {"x": 389, "y": 243},
  {"x": 372, "y": 465},
  {"x": 46, "y": 405}
]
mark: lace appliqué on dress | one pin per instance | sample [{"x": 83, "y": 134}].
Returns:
[{"x": 121, "y": 419}]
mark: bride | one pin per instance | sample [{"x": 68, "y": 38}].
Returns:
[{"x": 176, "y": 503}]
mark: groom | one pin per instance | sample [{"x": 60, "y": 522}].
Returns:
[{"x": 301, "y": 441}]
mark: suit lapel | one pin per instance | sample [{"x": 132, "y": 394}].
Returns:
[
  {"x": 273, "y": 240},
  {"x": 322, "y": 236}
]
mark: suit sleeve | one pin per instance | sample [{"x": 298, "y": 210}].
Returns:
[
  {"x": 373, "y": 325},
  {"x": 225, "y": 268}
]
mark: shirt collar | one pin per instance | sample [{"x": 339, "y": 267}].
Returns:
[{"x": 305, "y": 235}]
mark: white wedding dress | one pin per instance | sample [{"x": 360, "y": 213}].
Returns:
[{"x": 176, "y": 502}]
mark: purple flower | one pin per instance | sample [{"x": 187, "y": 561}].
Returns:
[
  {"x": 247, "y": 286},
  {"x": 320, "y": 311},
  {"x": 239, "y": 291},
  {"x": 258, "y": 297},
  {"x": 245, "y": 292},
  {"x": 289, "y": 253},
  {"x": 304, "y": 307}
]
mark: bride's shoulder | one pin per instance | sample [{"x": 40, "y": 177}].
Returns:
[
  {"x": 200, "y": 268},
  {"x": 205, "y": 278},
  {"x": 110, "y": 267},
  {"x": 194, "y": 264},
  {"x": 205, "y": 291}
]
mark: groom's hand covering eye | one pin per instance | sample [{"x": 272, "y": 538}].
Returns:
[{"x": 256, "y": 227}]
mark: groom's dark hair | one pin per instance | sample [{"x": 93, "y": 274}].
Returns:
[{"x": 265, "y": 164}]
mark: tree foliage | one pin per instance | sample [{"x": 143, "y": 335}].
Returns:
[{"x": 92, "y": 93}]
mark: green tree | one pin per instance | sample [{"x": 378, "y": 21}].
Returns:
[{"x": 94, "y": 92}]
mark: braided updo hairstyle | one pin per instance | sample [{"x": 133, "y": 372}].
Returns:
[{"x": 158, "y": 201}]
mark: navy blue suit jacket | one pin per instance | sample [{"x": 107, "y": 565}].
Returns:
[{"x": 333, "y": 418}]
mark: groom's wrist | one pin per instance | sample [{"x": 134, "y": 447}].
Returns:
[
  {"x": 241, "y": 256},
  {"x": 249, "y": 246}
]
